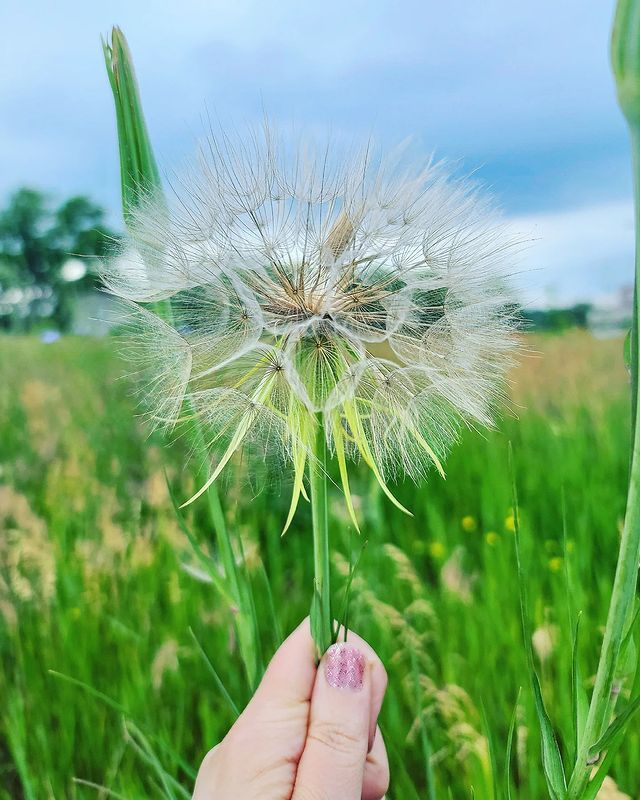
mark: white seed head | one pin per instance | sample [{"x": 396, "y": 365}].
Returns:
[{"x": 370, "y": 295}]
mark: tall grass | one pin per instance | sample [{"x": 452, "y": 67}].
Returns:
[{"x": 99, "y": 583}]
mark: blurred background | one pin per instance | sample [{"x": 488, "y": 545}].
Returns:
[
  {"x": 519, "y": 96},
  {"x": 114, "y": 641}
]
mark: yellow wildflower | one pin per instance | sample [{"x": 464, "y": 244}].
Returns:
[
  {"x": 492, "y": 538},
  {"x": 468, "y": 524},
  {"x": 555, "y": 564},
  {"x": 436, "y": 549}
]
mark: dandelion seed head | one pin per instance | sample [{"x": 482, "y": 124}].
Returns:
[{"x": 368, "y": 294}]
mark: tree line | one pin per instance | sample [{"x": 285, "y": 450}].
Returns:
[
  {"x": 48, "y": 257},
  {"x": 48, "y": 253}
]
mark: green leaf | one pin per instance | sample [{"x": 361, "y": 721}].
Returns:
[
  {"x": 551, "y": 758},
  {"x": 616, "y": 729}
]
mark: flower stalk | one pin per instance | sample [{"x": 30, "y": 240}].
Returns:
[
  {"x": 140, "y": 181},
  {"x": 321, "y": 615},
  {"x": 625, "y": 56}
]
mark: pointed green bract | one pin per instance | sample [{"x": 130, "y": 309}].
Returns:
[
  {"x": 236, "y": 440},
  {"x": 338, "y": 443},
  {"x": 355, "y": 423},
  {"x": 299, "y": 462}
]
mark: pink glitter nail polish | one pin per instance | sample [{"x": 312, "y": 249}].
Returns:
[{"x": 344, "y": 667}]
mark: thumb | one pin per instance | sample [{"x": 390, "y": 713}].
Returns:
[
  {"x": 335, "y": 753},
  {"x": 263, "y": 746}
]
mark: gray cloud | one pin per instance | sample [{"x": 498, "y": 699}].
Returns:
[{"x": 520, "y": 92}]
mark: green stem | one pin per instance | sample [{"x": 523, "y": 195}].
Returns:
[
  {"x": 240, "y": 590},
  {"x": 213, "y": 496},
  {"x": 624, "y": 586},
  {"x": 321, "y": 617},
  {"x": 140, "y": 178}
]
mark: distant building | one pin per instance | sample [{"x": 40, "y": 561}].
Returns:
[
  {"x": 95, "y": 312},
  {"x": 611, "y": 314}
]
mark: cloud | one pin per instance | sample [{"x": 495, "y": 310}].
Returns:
[
  {"x": 576, "y": 255},
  {"x": 521, "y": 93}
]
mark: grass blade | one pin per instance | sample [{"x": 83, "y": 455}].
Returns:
[
  {"x": 218, "y": 680},
  {"x": 507, "y": 761},
  {"x": 551, "y": 758},
  {"x": 424, "y": 734},
  {"x": 492, "y": 752},
  {"x": 579, "y": 701},
  {"x": 344, "y": 609},
  {"x": 104, "y": 790}
]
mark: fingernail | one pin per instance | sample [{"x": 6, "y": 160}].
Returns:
[{"x": 344, "y": 667}]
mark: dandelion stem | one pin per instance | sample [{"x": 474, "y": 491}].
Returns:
[
  {"x": 624, "y": 587},
  {"x": 321, "y": 617}
]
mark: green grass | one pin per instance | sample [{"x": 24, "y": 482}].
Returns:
[{"x": 92, "y": 584}]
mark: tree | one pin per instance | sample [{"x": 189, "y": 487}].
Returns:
[{"x": 35, "y": 242}]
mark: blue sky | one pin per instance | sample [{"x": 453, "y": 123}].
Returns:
[{"x": 520, "y": 93}]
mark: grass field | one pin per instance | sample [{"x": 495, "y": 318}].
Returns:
[{"x": 98, "y": 582}]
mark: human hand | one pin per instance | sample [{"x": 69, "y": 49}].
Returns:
[{"x": 308, "y": 733}]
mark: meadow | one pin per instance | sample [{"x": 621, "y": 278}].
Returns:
[{"x": 119, "y": 667}]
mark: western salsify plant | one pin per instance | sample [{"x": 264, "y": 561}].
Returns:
[
  {"x": 600, "y": 725},
  {"x": 314, "y": 310}
]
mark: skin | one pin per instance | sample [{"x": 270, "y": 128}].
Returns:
[{"x": 301, "y": 738}]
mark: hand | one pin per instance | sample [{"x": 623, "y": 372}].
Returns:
[{"x": 308, "y": 733}]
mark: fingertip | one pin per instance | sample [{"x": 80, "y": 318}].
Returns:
[
  {"x": 379, "y": 678},
  {"x": 292, "y": 670}
]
